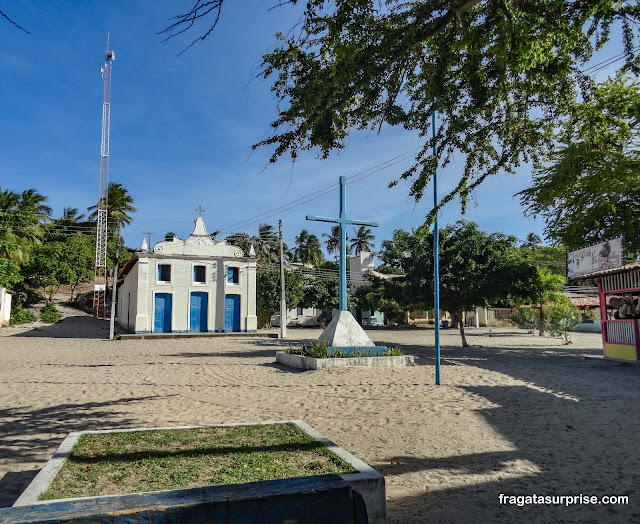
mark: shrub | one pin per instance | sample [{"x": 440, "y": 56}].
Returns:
[
  {"x": 50, "y": 314},
  {"x": 321, "y": 350},
  {"x": 396, "y": 351},
  {"x": 562, "y": 319},
  {"x": 21, "y": 316},
  {"x": 526, "y": 317}
]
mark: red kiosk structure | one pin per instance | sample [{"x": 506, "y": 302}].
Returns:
[{"x": 616, "y": 289}]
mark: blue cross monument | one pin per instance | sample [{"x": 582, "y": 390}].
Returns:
[{"x": 344, "y": 331}]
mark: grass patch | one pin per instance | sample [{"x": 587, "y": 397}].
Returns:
[
  {"x": 321, "y": 350},
  {"x": 134, "y": 462}
]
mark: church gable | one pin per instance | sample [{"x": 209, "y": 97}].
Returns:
[{"x": 199, "y": 243}]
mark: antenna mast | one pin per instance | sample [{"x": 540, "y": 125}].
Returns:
[{"x": 100, "y": 279}]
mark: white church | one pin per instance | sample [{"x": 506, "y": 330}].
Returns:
[{"x": 192, "y": 285}]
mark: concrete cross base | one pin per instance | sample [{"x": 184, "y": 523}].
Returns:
[{"x": 344, "y": 332}]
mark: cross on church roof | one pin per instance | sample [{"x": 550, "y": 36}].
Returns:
[
  {"x": 342, "y": 220},
  {"x": 200, "y": 210}
]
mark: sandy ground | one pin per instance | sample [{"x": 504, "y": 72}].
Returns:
[{"x": 516, "y": 414}]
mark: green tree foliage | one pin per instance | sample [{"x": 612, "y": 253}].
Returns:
[
  {"x": 268, "y": 293},
  {"x": 22, "y": 220},
  {"x": 563, "y": 318},
  {"x": 377, "y": 296},
  {"x": 526, "y": 317},
  {"x": 307, "y": 250},
  {"x": 591, "y": 190},
  {"x": 532, "y": 241},
  {"x": 547, "y": 288},
  {"x": 362, "y": 240},
  {"x": 119, "y": 207},
  {"x": 553, "y": 258},
  {"x": 503, "y": 77},
  {"x": 241, "y": 240},
  {"x": 267, "y": 245},
  {"x": 322, "y": 293},
  {"x": 476, "y": 269},
  {"x": 9, "y": 273},
  {"x": 45, "y": 269}
]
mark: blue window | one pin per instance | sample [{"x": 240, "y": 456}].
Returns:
[{"x": 233, "y": 275}]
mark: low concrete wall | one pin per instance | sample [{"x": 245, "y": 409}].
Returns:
[
  {"x": 326, "y": 498},
  {"x": 301, "y": 362},
  {"x": 589, "y": 327},
  {"x": 367, "y": 482}
]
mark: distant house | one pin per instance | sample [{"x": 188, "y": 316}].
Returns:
[
  {"x": 360, "y": 266},
  {"x": 5, "y": 306},
  {"x": 192, "y": 285}
]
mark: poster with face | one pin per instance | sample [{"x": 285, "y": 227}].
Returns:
[{"x": 606, "y": 255}]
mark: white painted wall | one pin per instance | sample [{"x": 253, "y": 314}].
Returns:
[{"x": 5, "y": 306}]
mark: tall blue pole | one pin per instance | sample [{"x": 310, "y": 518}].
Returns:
[
  {"x": 343, "y": 244},
  {"x": 436, "y": 262}
]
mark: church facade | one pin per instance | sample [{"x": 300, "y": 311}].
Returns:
[{"x": 192, "y": 285}]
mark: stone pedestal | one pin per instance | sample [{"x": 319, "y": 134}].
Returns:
[{"x": 345, "y": 333}]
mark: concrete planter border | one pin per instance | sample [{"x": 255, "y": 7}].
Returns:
[
  {"x": 367, "y": 481},
  {"x": 302, "y": 362}
]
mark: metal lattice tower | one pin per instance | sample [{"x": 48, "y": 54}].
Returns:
[{"x": 100, "y": 281}]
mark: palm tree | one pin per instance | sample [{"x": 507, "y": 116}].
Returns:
[
  {"x": 119, "y": 204},
  {"x": 361, "y": 242},
  {"x": 267, "y": 244},
  {"x": 333, "y": 242},
  {"x": 22, "y": 217},
  {"x": 532, "y": 241},
  {"x": 70, "y": 216},
  {"x": 33, "y": 202},
  {"x": 307, "y": 250},
  {"x": 70, "y": 222}
]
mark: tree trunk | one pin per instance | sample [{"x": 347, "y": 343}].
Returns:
[
  {"x": 541, "y": 324},
  {"x": 464, "y": 339}
]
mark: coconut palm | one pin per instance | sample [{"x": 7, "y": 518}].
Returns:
[
  {"x": 361, "y": 242},
  {"x": 119, "y": 205},
  {"x": 532, "y": 241},
  {"x": 333, "y": 242},
  {"x": 307, "y": 250},
  {"x": 71, "y": 221},
  {"x": 267, "y": 244},
  {"x": 22, "y": 217}
]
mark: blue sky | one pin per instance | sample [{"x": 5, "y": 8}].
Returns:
[{"x": 182, "y": 127}]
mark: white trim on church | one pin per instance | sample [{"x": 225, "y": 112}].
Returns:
[{"x": 192, "y": 285}]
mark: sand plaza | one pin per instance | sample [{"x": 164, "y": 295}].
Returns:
[{"x": 516, "y": 415}]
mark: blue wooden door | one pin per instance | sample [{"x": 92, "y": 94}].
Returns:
[
  {"x": 162, "y": 316},
  {"x": 232, "y": 313},
  {"x": 198, "y": 311}
]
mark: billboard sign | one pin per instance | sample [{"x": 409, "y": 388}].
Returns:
[{"x": 606, "y": 255}]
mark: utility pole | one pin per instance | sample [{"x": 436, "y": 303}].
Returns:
[
  {"x": 112, "y": 322},
  {"x": 283, "y": 299}
]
